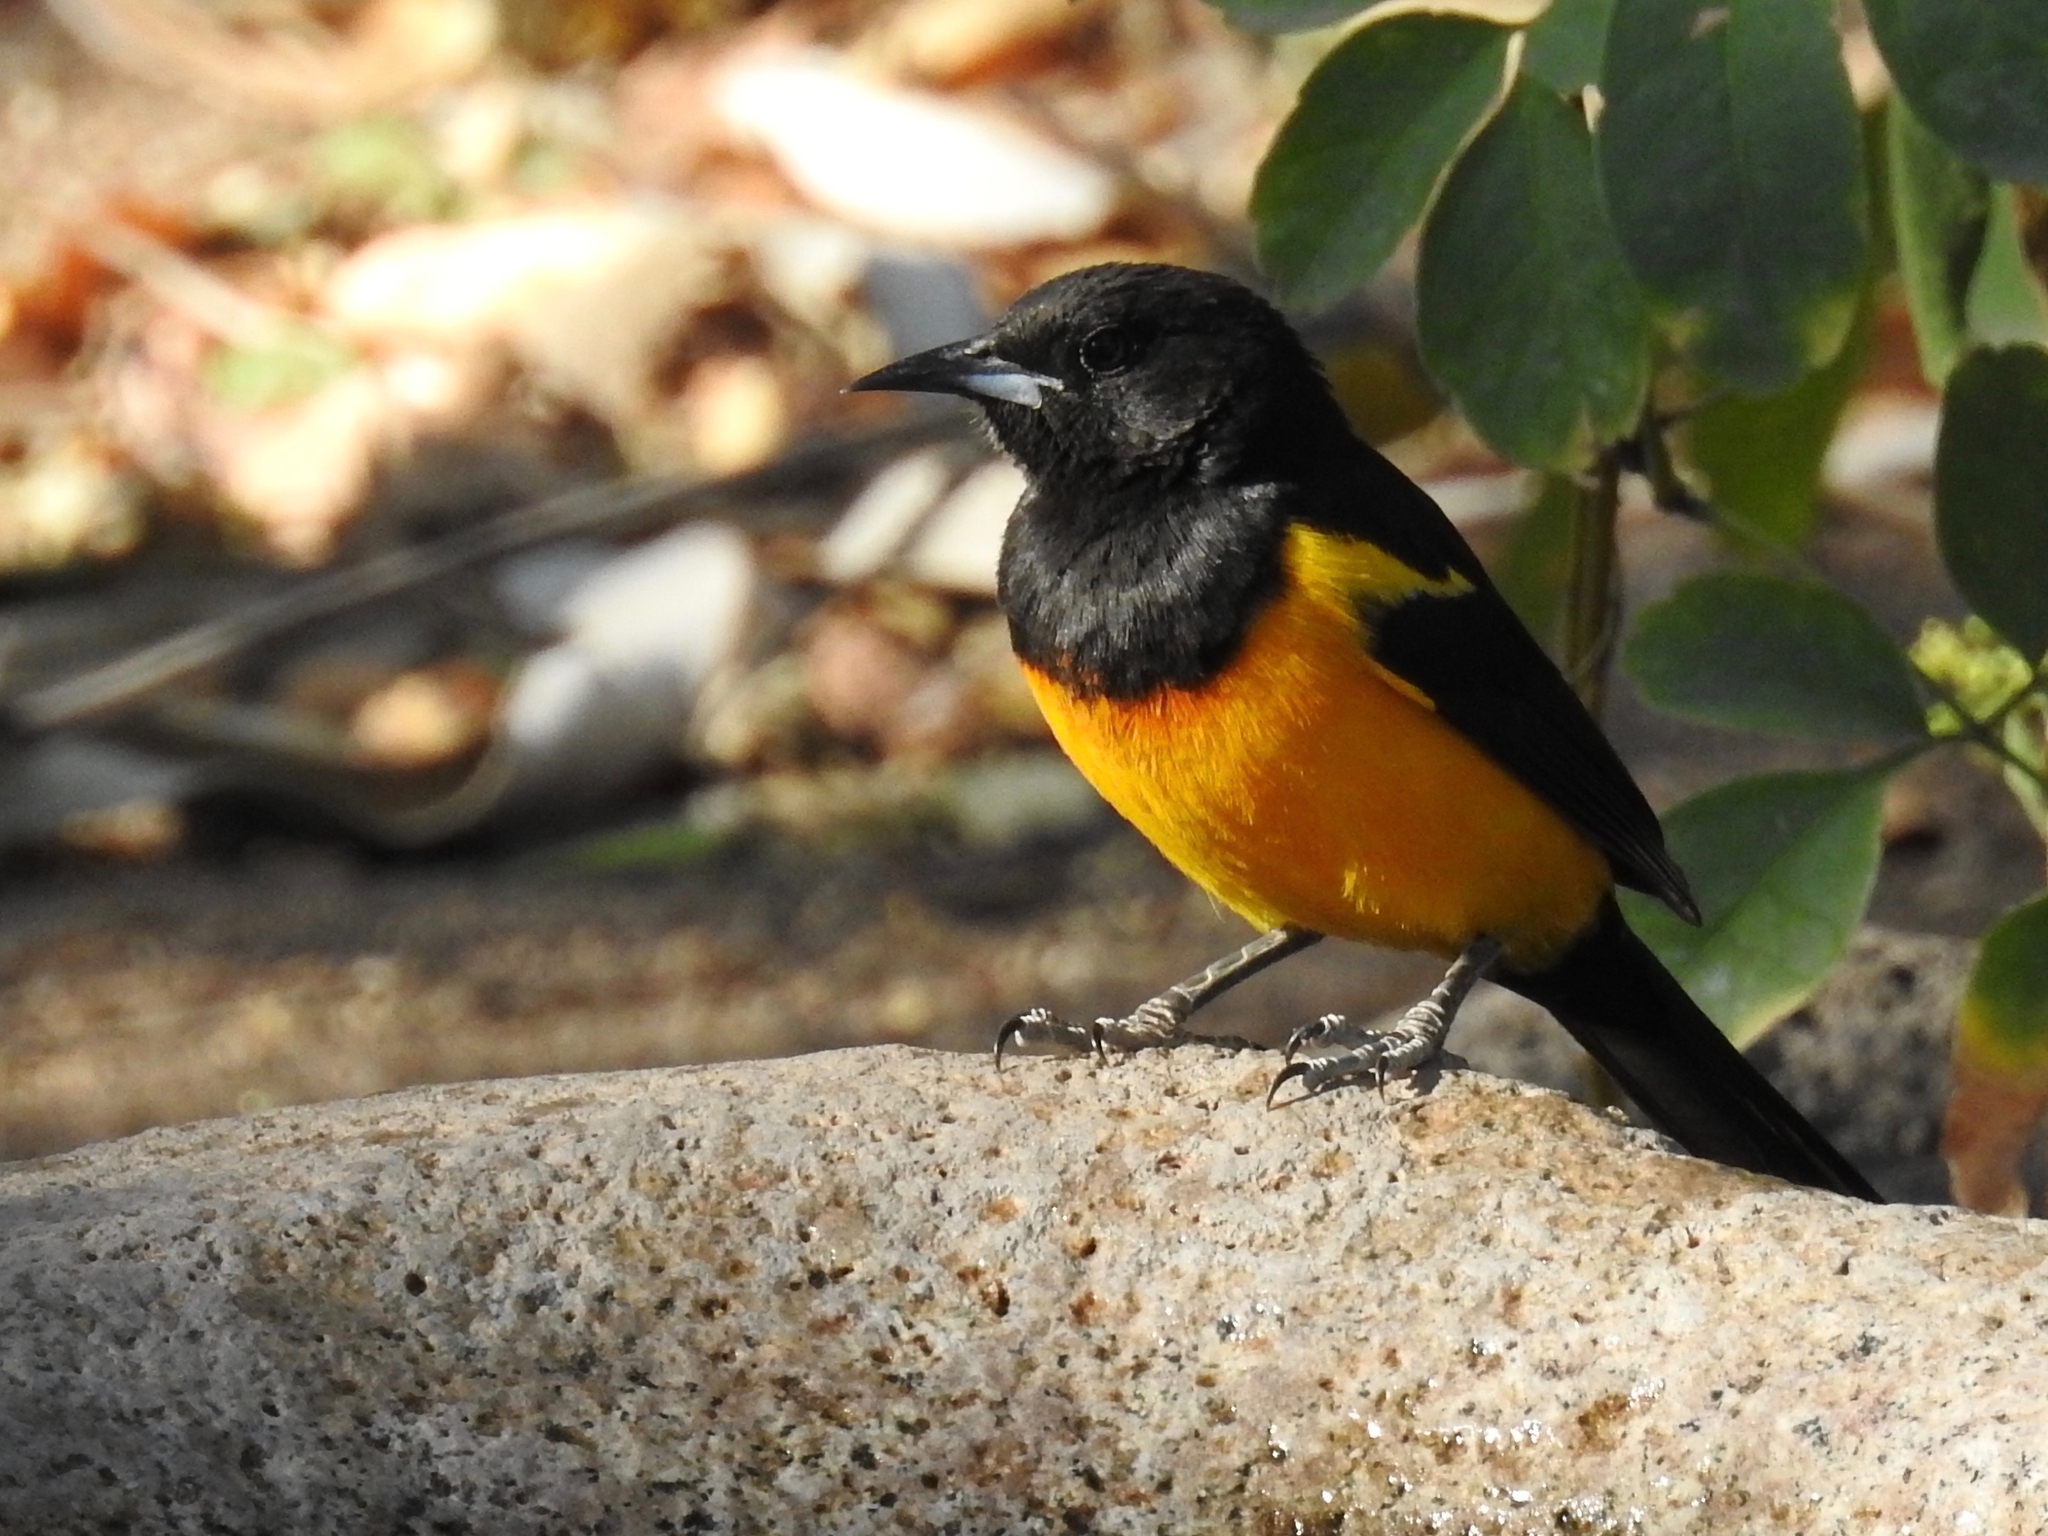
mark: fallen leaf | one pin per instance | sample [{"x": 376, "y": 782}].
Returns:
[
  {"x": 946, "y": 41},
  {"x": 1985, "y": 1131},
  {"x": 66, "y": 503},
  {"x": 734, "y": 414},
  {"x": 296, "y": 475},
  {"x": 909, "y": 164}
]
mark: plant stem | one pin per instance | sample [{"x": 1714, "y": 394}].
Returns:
[
  {"x": 1591, "y": 599},
  {"x": 1987, "y": 733},
  {"x": 1590, "y": 594}
]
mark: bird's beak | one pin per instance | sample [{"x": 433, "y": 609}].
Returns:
[{"x": 963, "y": 368}]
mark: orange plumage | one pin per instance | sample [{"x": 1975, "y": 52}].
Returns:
[{"x": 1305, "y": 784}]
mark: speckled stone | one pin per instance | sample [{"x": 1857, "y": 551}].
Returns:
[{"x": 892, "y": 1291}]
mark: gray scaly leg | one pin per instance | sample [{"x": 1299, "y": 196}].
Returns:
[
  {"x": 1334, "y": 1050},
  {"x": 1163, "y": 1019}
]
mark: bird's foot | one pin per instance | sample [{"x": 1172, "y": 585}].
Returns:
[
  {"x": 1163, "y": 1020},
  {"x": 1333, "y": 1050},
  {"x": 1155, "y": 1023}
]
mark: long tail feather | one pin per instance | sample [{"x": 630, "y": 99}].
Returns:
[{"x": 1634, "y": 1018}]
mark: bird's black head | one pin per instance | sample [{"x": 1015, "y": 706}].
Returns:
[{"x": 1120, "y": 373}]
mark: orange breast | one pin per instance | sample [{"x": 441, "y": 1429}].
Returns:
[{"x": 1308, "y": 786}]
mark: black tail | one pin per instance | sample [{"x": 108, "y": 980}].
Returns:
[{"x": 1632, "y": 1016}]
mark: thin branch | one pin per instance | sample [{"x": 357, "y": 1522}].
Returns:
[
  {"x": 127, "y": 680},
  {"x": 220, "y": 309},
  {"x": 1590, "y": 587},
  {"x": 1987, "y": 732}
]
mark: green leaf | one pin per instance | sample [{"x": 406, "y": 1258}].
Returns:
[
  {"x": 2003, "y": 1022},
  {"x": 1762, "y": 653},
  {"x": 1976, "y": 72},
  {"x": 384, "y": 168},
  {"x": 1939, "y": 208},
  {"x": 1762, "y": 454},
  {"x": 1355, "y": 162},
  {"x": 668, "y": 844},
  {"x": 299, "y": 362},
  {"x": 1733, "y": 169},
  {"x": 1782, "y": 865},
  {"x": 1563, "y": 47},
  {"x": 1527, "y": 314},
  {"x": 2005, "y": 302},
  {"x": 1273, "y": 16},
  {"x": 1270, "y": 16},
  {"x": 1991, "y": 490}
]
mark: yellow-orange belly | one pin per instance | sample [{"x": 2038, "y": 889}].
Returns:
[{"x": 1306, "y": 785}]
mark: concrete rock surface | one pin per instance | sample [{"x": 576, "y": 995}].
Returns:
[{"x": 892, "y": 1291}]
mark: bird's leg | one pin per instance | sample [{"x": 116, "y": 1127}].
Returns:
[
  {"x": 1334, "y": 1050},
  {"x": 1162, "y": 1020}
]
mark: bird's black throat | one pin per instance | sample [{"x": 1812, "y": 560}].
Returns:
[{"x": 1116, "y": 595}]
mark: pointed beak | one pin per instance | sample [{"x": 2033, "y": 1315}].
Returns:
[{"x": 963, "y": 368}]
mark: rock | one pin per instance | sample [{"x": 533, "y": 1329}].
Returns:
[
  {"x": 535, "y": 586},
  {"x": 889, "y": 1290},
  {"x": 1867, "y": 1058},
  {"x": 425, "y": 717},
  {"x": 48, "y": 784},
  {"x": 959, "y": 544},
  {"x": 1883, "y": 456},
  {"x": 885, "y": 513},
  {"x": 643, "y": 636},
  {"x": 644, "y": 633},
  {"x": 1005, "y": 802}
]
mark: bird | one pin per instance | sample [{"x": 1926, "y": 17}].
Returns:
[{"x": 1272, "y": 653}]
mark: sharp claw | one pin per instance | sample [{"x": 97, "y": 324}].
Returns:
[
  {"x": 1287, "y": 1074},
  {"x": 1042, "y": 1026},
  {"x": 1011, "y": 1032},
  {"x": 1017, "y": 1027},
  {"x": 1313, "y": 1030}
]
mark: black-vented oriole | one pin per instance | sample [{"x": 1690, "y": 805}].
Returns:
[{"x": 1274, "y": 655}]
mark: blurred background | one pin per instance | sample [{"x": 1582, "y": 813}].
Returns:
[{"x": 452, "y": 624}]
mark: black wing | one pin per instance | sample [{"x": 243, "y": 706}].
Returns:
[{"x": 1489, "y": 678}]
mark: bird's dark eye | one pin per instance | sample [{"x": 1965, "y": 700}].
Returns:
[{"x": 1106, "y": 349}]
